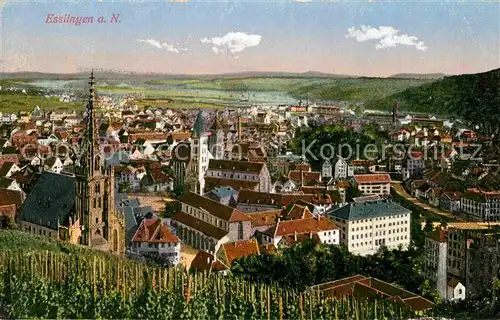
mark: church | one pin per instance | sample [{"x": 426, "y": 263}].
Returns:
[{"x": 78, "y": 208}]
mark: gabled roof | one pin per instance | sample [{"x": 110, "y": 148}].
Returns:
[
  {"x": 154, "y": 231},
  {"x": 8, "y": 197},
  {"x": 290, "y": 227},
  {"x": 213, "y": 207},
  {"x": 372, "y": 178},
  {"x": 240, "y": 249},
  {"x": 235, "y": 166},
  {"x": 46, "y": 206},
  {"x": 297, "y": 211},
  {"x": 279, "y": 200},
  {"x": 369, "y": 287},
  {"x": 368, "y": 210},
  {"x": 5, "y": 168},
  {"x": 264, "y": 218},
  {"x": 204, "y": 261}
]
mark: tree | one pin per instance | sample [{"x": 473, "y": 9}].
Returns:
[
  {"x": 178, "y": 191},
  {"x": 124, "y": 187},
  {"x": 428, "y": 226}
]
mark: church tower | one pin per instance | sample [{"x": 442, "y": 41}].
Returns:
[
  {"x": 101, "y": 226},
  {"x": 198, "y": 164},
  {"x": 216, "y": 140}
]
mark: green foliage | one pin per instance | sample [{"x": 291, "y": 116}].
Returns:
[
  {"x": 307, "y": 264},
  {"x": 44, "y": 284},
  {"x": 172, "y": 208},
  {"x": 12, "y": 102},
  {"x": 124, "y": 187},
  {"x": 331, "y": 138},
  {"x": 355, "y": 89},
  {"x": 469, "y": 97}
]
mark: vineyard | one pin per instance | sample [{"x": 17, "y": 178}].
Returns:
[{"x": 82, "y": 284}]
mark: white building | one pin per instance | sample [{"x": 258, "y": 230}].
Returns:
[
  {"x": 373, "y": 183},
  {"x": 338, "y": 169},
  {"x": 481, "y": 205},
  {"x": 153, "y": 237},
  {"x": 199, "y": 157},
  {"x": 435, "y": 264},
  {"x": 365, "y": 227},
  {"x": 53, "y": 164},
  {"x": 413, "y": 165}
]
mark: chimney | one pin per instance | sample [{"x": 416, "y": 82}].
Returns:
[
  {"x": 295, "y": 235},
  {"x": 301, "y": 177},
  {"x": 239, "y": 128},
  {"x": 395, "y": 112}
]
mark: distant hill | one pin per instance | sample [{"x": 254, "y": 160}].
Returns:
[
  {"x": 418, "y": 76},
  {"x": 473, "y": 97},
  {"x": 104, "y": 74}
]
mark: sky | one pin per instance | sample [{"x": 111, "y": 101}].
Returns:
[{"x": 367, "y": 38}]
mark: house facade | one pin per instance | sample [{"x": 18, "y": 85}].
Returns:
[
  {"x": 365, "y": 227},
  {"x": 205, "y": 224},
  {"x": 237, "y": 174},
  {"x": 154, "y": 238},
  {"x": 373, "y": 184}
]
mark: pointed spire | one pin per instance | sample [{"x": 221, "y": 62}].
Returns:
[{"x": 198, "y": 130}]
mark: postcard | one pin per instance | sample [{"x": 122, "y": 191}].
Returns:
[{"x": 258, "y": 159}]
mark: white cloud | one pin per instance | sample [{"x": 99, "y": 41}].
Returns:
[
  {"x": 164, "y": 45},
  {"x": 233, "y": 42},
  {"x": 388, "y": 37}
]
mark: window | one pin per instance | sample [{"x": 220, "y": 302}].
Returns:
[
  {"x": 240, "y": 230},
  {"x": 459, "y": 291}
]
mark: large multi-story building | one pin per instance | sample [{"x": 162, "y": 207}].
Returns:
[
  {"x": 365, "y": 227},
  {"x": 239, "y": 175},
  {"x": 481, "y": 205},
  {"x": 413, "y": 165},
  {"x": 286, "y": 232},
  {"x": 373, "y": 183},
  {"x": 436, "y": 243},
  {"x": 463, "y": 259},
  {"x": 206, "y": 224}
]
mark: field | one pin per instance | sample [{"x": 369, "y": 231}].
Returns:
[
  {"x": 220, "y": 92},
  {"x": 42, "y": 283},
  {"x": 12, "y": 102}
]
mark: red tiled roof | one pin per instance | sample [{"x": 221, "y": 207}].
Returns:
[
  {"x": 264, "y": 218},
  {"x": 9, "y": 158},
  {"x": 278, "y": 199},
  {"x": 267, "y": 248},
  {"x": 290, "y": 227},
  {"x": 153, "y": 230},
  {"x": 293, "y": 239},
  {"x": 372, "y": 178},
  {"x": 213, "y": 207},
  {"x": 204, "y": 261},
  {"x": 240, "y": 249},
  {"x": 298, "y": 212},
  {"x": 307, "y": 175},
  {"x": 8, "y": 197}
]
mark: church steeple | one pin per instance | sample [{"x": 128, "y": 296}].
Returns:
[
  {"x": 102, "y": 227},
  {"x": 90, "y": 159}
]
